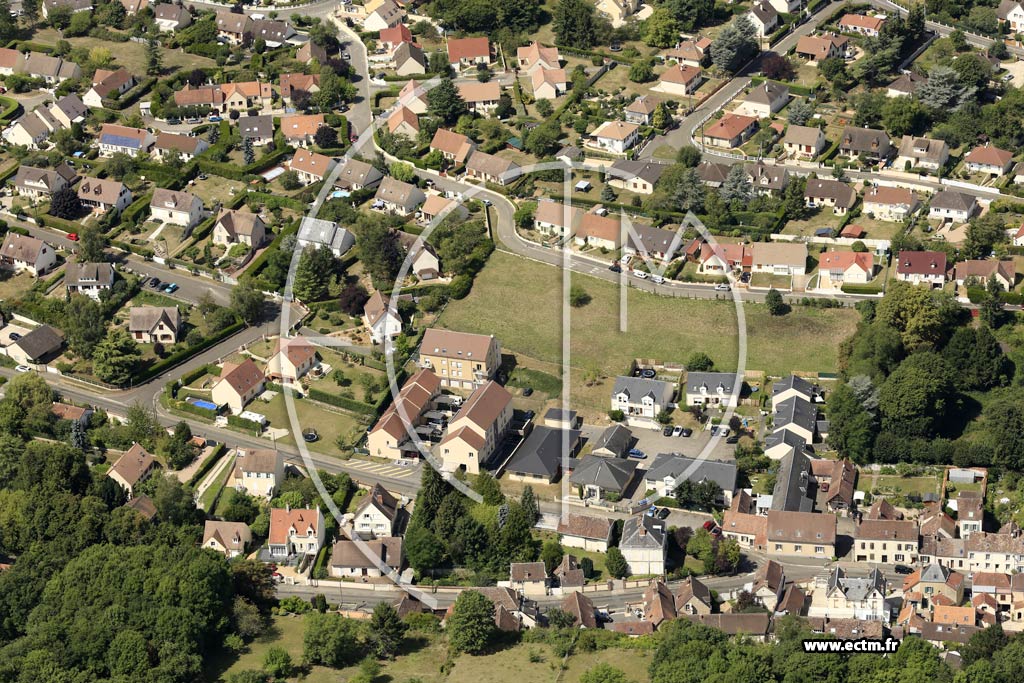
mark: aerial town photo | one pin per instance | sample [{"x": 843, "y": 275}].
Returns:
[{"x": 532, "y": 341}]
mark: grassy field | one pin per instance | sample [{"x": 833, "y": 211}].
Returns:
[
  {"x": 888, "y": 483},
  {"x": 329, "y": 424},
  {"x": 423, "y": 656},
  {"x": 518, "y": 301},
  {"x": 130, "y": 55}
]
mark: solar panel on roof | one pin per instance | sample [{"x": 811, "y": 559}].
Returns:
[{"x": 119, "y": 141}]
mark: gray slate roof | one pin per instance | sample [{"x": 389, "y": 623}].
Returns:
[
  {"x": 638, "y": 387},
  {"x": 616, "y": 439},
  {"x": 784, "y": 436},
  {"x": 794, "y": 491},
  {"x": 610, "y": 474},
  {"x": 674, "y": 465},
  {"x": 793, "y": 382},
  {"x": 541, "y": 452},
  {"x": 856, "y": 589},
  {"x": 39, "y": 342},
  {"x": 711, "y": 381},
  {"x": 632, "y": 537},
  {"x": 796, "y": 411}
]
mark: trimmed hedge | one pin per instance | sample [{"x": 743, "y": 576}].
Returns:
[
  {"x": 341, "y": 402},
  {"x": 242, "y": 423},
  {"x": 11, "y": 109},
  {"x": 851, "y": 288},
  {"x": 131, "y": 97},
  {"x": 207, "y": 465},
  {"x": 193, "y": 375},
  {"x": 183, "y": 355},
  {"x": 187, "y": 407}
]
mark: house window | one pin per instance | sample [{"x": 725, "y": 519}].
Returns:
[
  {"x": 778, "y": 547},
  {"x": 819, "y": 549},
  {"x": 798, "y": 548}
]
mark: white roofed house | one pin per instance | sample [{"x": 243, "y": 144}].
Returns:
[
  {"x": 617, "y": 137},
  {"x": 711, "y": 388},
  {"x": 641, "y": 398},
  {"x": 764, "y": 100},
  {"x": 152, "y": 324},
  {"x": 239, "y": 227},
  {"x": 24, "y": 253},
  {"x": 291, "y": 360},
  {"x": 101, "y": 195},
  {"x": 258, "y": 472},
  {"x": 316, "y": 233},
  {"x": 177, "y": 208},
  {"x": 644, "y": 545},
  {"x": 397, "y": 197},
  {"x": 88, "y": 278}
]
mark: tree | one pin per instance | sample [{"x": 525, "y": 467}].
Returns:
[
  {"x": 978, "y": 358},
  {"x": 387, "y": 630},
  {"x": 689, "y": 192},
  {"x": 489, "y": 489},
  {"x": 353, "y": 297},
  {"x": 64, "y": 203},
  {"x": 735, "y": 45},
  {"x": 777, "y": 68},
  {"x": 278, "y": 663},
  {"x": 904, "y": 116},
  {"x": 774, "y": 303},
  {"x": 326, "y": 137},
  {"x": 59, "y": 17},
  {"x": 917, "y": 397},
  {"x": 800, "y": 112},
  {"x": 471, "y": 624},
  {"x": 180, "y": 450},
  {"x": 154, "y": 62},
  {"x": 551, "y": 554},
  {"x": 559, "y": 618},
  {"x": 247, "y": 301},
  {"x": 737, "y": 186},
  {"x": 661, "y": 29},
  {"x": 422, "y": 548},
  {"x": 983, "y": 234},
  {"x": 248, "y": 152},
  {"x": 688, "y": 156},
  {"x": 991, "y": 312},
  {"x": 84, "y": 325},
  {"x": 313, "y": 274},
  {"x": 543, "y": 140},
  {"x": 30, "y": 10},
  {"x": 544, "y": 108},
  {"x": 402, "y": 171},
  {"x": 91, "y": 244},
  {"x": 699, "y": 362},
  {"x": 445, "y": 102},
  {"x": 578, "y": 296},
  {"x": 530, "y": 506},
  {"x": 641, "y": 71},
  {"x": 943, "y": 91},
  {"x": 852, "y": 426},
  {"x": 331, "y": 640},
  {"x": 575, "y": 24},
  {"x": 973, "y": 70},
  {"x": 289, "y": 180},
  {"x": 378, "y": 249},
  {"x": 616, "y": 564}
]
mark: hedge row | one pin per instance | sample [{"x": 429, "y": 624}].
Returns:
[
  {"x": 11, "y": 109},
  {"x": 207, "y": 465},
  {"x": 131, "y": 97},
  {"x": 193, "y": 375},
  {"x": 187, "y": 407},
  {"x": 341, "y": 402},
  {"x": 258, "y": 263},
  {"x": 242, "y": 423},
  {"x": 180, "y": 356},
  {"x": 851, "y": 288}
]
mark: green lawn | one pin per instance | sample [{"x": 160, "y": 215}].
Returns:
[
  {"x": 328, "y": 423},
  {"x": 889, "y": 483},
  {"x": 519, "y": 302}
]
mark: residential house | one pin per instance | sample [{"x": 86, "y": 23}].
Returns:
[
  {"x": 906, "y": 85},
  {"x": 130, "y": 141},
  {"x": 795, "y": 488},
  {"x": 299, "y": 85},
  {"x": 755, "y": 627},
  {"x": 320, "y": 234},
  {"x": 641, "y": 110},
  {"x": 836, "y": 268},
  {"x": 177, "y": 208},
  {"x": 384, "y": 15},
  {"x": 861, "y": 24},
  {"x": 53, "y": 70},
  {"x": 886, "y": 541},
  {"x": 680, "y": 80},
  {"x": 783, "y": 443},
  {"x": 988, "y": 159},
  {"x": 382, "y": 322},
  {"x": 69, "y": 110},
  {"x": 616, "y": 137},
  {"x": 764, "y": 18},
  {"x": 399, "y": 198},
  {"x": 693, "y": 597},
  {"x": 134, "y": 467},
  {"x": 953, "y": 206},
  {"x": 920, "y": 152},
  {"x": 653, "y": 242},
  {"x": 239, "y": 227},
  {"x": 539, "y": 458},
  {"x": 389, "y": 436},
  {"x": 791, "y": 386},
  {"x": 377, "y": 514},
  {"x": 72, "y": 413},
  {"x": 1011, "y": 13},
  {"x": 805, "y": 534},
  {"x": 837, "y": 478},
  {"x": 601, "y": 232},
  {"x": 186, "y": 147},
  {"x": 729, "y": 131},
  {"x": 402, "y": 121},
  {"x": 845, "y": 597},
  {"x": 310, "y": 51},
  {"x": 480, "y": 98},
  {"x": 230, "y": 539},
  {"x": 583, "y": 531},
  {"x": 669, "y": 470},
  {"x": 613, "y": 442},
  {"x": 31, "y": 130},
  {"x": 769, "y": 585},
  {"x": 37, "y": 347},
  {"x": 464, "y": 53},
  {"x": 890, "y": 203},
  {"x": 713, "y": 174},
  {"x": 766, "y": 180},
  {"x": 238, "y": 384},
  {"x": 41, "y": 183},
  {"x": 831, "y": 193},
  {"x": 291, "y": 360},
  {"x": 995, "y": 585},
  {"x": 155, "y": 324},
  {"x": 425, "y": 264},
  {"x": 300, "y": 129},
  {"x": 868, "y": 143},
  {"x": 779, "y": 258},
  {"x": 819, "y": 48},
  {"x": 258, "y": 472},
  {"x": 101, "y": 195},
  {"x": 749, "y": 530},
  {"x": 235, "y": 29},
  {"x": 373, "y": 559},
  {"x": 695, "y": 52},
  {"x": 108, "y": 84},
  {"x": 597, "y": 478},
  {"x": 358, "y": 175},
  {"x": 641, "y": 398},
  {"x": 258, "y": 129},
  {"x": 529, "y": 578},
  {"x": 639, "y": 177},
  {"x": 435, "y": 206},
  {"x": 798, "y": 416},
  {"x": 296, "y": 532},
  {"x": 408, "y": 59},
  {"x": 659, "y": 605},
  {"x": 980, "y": 551},
  {"x": 24, "y": 253},
  {"x": 171, "y": 17},
  {"x": 713, "y": 388},
  {"x": 227, "y": 97},
  {"x": 970, "y": 513},
  {"x": 491, "y": 169},
  {"x": 786, "y": 6},
  {"x": 476, "y": 431},
  {"x": 765, "y": 100},
  {"x": 981, "y": 270},
  {"x": 311, "y": 167},
  {"x": 618, "y": 11},
  {"x": 414, "y": 96},
  {"x": 548, "y": 84},
  {"x": 568, "y": 573},
  {"x": 392, "y": 37},
  {"x": 88, "y": 278},
  {"x": 462, "y": 360},
  {"x": 453, "y": 146},
  {"x": 931, "y": 581},
  {"x": 556, "y": 218},
  {"x": 535, "y": 56},
  {"x": 273, "y": 32},
  {"x": 921, "y": 267},
  {"x": 644, "y": 544}
]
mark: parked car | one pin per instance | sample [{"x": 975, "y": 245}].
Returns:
[
  {"x": 641, "y": 274},
  {"x": 637, "y": 453},
  {"x": 23, "y": 368},
  {"x": 677, "y": 431},
  {"x": 667, "y": 431},
  {"x": 171, "y": 288},
  {"x": 652, "y": 511},
  {"x": 686, "y": 432},
  {"x": 735, "y": 438},
  {"x": 657, "y": 279},
  {"x": 73, "y": 236},
  {"x": 615, "y": 268},
  {"x": 903, "y": 569},
  {"x": 214, "y": 118},
  {"x": 154, "y": 282},
  {"x": 14, "y": 336},
  {"x": 709, "y": 525},
  {"x": 528, "y": 391},
  {"x": 664, "y": 513},
  {"x": 722, "y": 288}
]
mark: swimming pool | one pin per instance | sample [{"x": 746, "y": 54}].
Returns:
[{"x": 200, "y": 403}]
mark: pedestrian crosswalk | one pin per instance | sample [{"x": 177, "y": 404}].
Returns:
[{"x": 383, "y": 469}]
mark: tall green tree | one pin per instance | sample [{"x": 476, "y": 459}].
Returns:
[
  {"x": 386, "y": 630},
  {"x": 471, "y": 624},
  {"x": 248, "y": 301},
  {"x": 313, "y": 274},
  {"x": 115, "y": 359},
  {"x": 154, "y": 60},
  {"x": 445, "y": 102},
  {"x": 575, "y": 24},
  {"x": 84, "y": 325},
  {"x": 735, "y": 45}
]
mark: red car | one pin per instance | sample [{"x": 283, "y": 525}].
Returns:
[
  {"x": 709, "y": 525},
  {"x": 73, "y": 236}
]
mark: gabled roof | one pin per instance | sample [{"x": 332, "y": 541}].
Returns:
[
  {"x": 643, "y": 532},
  {"x": 867, "y": 140},
  {"x": 842, "y": 194},
  {"x": 96, "y": 274},
  {"x": 908, "y": 83},
  {"x": 983, "y": 269},
  {"x": 381, "y": 499},
  {"x": 173, "y": 200},
  {"x": 468, "y": 48},
  {"x": 453, "y": 344},
  {"x": 256, "y": 126},
  {"x": 237, "y": 223},
  {"x": 347, "y": 554},
  {"x": 22, "y": 248},
  {"x": 610, "y": 474},
  {"x": 298, "y": 350},
  {"x": 131, "y": 466},
  {"x": 40, "y": 342},
  {"x": 285, "y": 521},
  {"x": 409, "y": 52},
  {"x": 890, "y": 196},
  {"x": 679, "y": 467},
  {"x": 989, "y": 156},
  {"x": 637, "y": 388},
  {"x": 541, "y": 453},
  {"x": 405, "y": 195},
  {"x": 921, "y": 263},
  {"x": 100, "y": 190},
  {"x": 862, "y": 21},
  {"x": 649, "y": 171},
  {"x": 616, "y": 439},
  {"x": 801, "y": 527},
  {"x": 317, "y": 165},
  {"x": 729, "y": 126},
  {"x": 769, "y": 575},
  {"x": 681, "y": 74},
  {"x": 767, "y": 93},
  {"x": 615, "y": 130},
  {"x": 242, "y": 377},
  {"x": 403, "y": 115},
  {"x": 585, "y": 526},
  {"x": 953, "y": 200},
  {"x": 181, "y": 143},
  {"x": 802, "y": 135},
  {"x": 450, "y": 142},
  {"x": 229, "y": 535},
  {"x": 581, "y": 608},
  {"x": 491, "y": 165}
]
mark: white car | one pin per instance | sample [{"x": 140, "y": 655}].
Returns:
[
  {"x": 23, "y": 368},
  {"x": 722, "y": 288},
  {"x": 642, "y": 274},
  {"x": 657, "y": 279}
]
